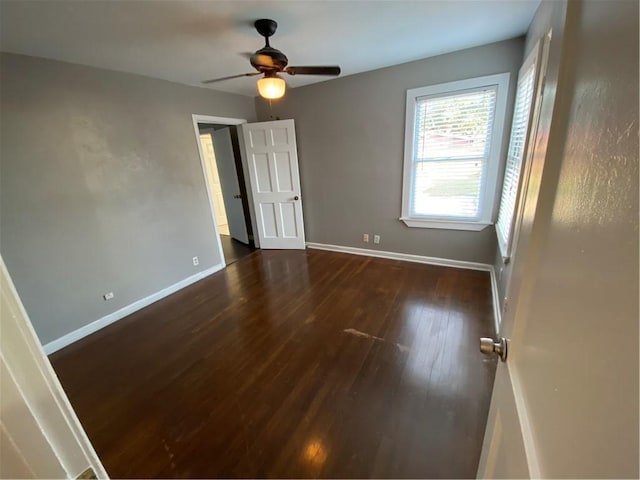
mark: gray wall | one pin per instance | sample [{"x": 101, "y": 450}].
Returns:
[
  {"x": 350, "y": 134},
  {"x": 101, "y": 188},
  {"x": 550, "y": 15}
]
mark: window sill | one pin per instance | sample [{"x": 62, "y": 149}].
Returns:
[{"x": 444, "y": 224}]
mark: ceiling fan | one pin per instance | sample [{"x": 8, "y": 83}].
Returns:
[{"x": 269, "y": 62}]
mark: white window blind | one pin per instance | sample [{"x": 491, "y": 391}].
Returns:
[
  {"x": 452, "y": 144},
  {"x": 517, "y": 146}
]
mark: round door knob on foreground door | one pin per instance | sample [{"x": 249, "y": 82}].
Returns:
[
  {"x": 488, "y": 346},
  {"x": 296, "y": 198}
]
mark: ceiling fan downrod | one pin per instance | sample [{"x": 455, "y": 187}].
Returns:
[{"x": 266, "y": 27}]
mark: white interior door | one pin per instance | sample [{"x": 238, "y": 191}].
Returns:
[
  {"x": 504, "y": 452},
  {"x": 272, "y": 161},
  {"x": 225, "y": 160},
  {"x": 40, "y": 435},
  {"x": 565, "y": 403}
]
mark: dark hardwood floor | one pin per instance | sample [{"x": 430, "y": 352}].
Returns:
[
  {"x": 233, "y": 249},
  {"x": 293, "y": 364}
]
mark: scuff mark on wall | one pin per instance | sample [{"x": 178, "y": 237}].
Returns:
[{"x": 626, "y": 132}]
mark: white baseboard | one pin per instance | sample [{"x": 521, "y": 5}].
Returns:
[
  {"x": 96, "y": 325},
  {"x": 407, "y": 257}
]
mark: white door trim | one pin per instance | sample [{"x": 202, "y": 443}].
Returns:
[
  {"x": 195, "y": 119},
  {"x": 219, "y": 120},
  {"x": 39, "y": 399},
  {"x": 536, "y": 145}
]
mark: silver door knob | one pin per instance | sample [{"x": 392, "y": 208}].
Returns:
[{"x": 488, "y": 346}]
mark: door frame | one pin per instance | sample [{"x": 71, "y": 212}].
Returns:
[
  {"x": 42, "y": 413},
  {"x": 198, "y": 118},
  {"x": 515, "y": 293}
]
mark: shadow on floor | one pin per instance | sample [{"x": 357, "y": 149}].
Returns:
[{"x": 233, "y": 249}]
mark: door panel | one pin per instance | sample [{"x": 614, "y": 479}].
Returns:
[
  {"x": 272, "y": 157},
  {"x": 262, "y": 173},
  {"x": 283, "y": 171},
  {"x": 257, "y": 138},
  {"x": 288, "y": 218},
  {"x": 269, "y": 225},
  {"x": 280, "y": 136},
  {"x": 226, "y": 163}
]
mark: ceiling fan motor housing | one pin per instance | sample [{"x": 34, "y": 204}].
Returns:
[{"x": 268, "y": 59}]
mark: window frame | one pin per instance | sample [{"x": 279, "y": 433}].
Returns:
[
  {"x": 534, "y": 60},
  {"x": 491, "y": 169}
]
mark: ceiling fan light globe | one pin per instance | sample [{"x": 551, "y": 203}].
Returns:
[{"x": 271, "y": 87}]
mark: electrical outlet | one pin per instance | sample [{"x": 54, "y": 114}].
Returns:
[
  {"x": 108, "y": 296},
  {"x": 196, "y": 262},
  {"x": 365, "y": 237},
  {"x": 376, "y": 239}
]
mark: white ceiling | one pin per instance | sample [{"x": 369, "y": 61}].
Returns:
[{"x": 189, "y": 41}]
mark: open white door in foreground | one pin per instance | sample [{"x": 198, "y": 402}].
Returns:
[
  {"x": 272, "y": 161},
  {"x": 565, "y": 402},
  {"x": 40, "y": 435}
]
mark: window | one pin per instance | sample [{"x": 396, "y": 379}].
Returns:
[
  {"x": 453, "y": 138},
  {"x": 522, "y": 114}
]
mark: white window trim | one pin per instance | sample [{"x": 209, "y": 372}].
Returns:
[
  {"x": 535, "y": 58},
  {"x": 488, "y": 191}
]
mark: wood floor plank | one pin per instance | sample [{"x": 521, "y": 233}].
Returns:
[{"x": 293, "y": 364}]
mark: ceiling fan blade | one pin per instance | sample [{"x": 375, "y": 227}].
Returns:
[
  {"x": 231, "y": 77},
  {"x": 329, "y": 70}
]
